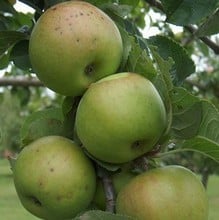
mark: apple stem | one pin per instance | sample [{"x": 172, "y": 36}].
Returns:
[
  {"x": 109, "y": 193},
  {"x": 109, "y": 190}
]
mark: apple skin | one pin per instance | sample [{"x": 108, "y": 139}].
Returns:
[
  {"x": 73, "y": 44},
  {"x": 54, "y": 179},
  {"x": 120, "y": 117},
  {"x": 168, "y": 193}
]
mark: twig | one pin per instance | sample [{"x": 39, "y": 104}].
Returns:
[
  {"x": 190, "y": 28},
  {"x": 109, "y": 193},
  {"x": 109, "y": 190},
  {"x": 20, "y": 81},
  {"x": 205, "y": 40}
]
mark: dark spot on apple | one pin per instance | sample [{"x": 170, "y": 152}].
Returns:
[
  {"x": 51, "y": 169},
  {"x": 57, "y": 28},
  {"x": 138, "y": 145},
  {"x": 102, "y": 17},
  {"x": 40, "y": 183},
  {"x": 81, "y": 13},
  {"x": 37, "y": 150},
  {"x": 35, "y": 200},
  {"x": 60, "y": 32},
  {"x": 88, "y": 14},
  {"x": 89, "y": 69},
  {"x": 78, "y": 40},
  {"x": 53, "y": 8}
]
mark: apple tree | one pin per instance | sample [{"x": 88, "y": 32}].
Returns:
[{"x": 129, "y": 93}]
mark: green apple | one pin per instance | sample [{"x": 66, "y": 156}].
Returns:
[
  {"x": 168, "y": 193},
  {"x": 73, "y": 44},
  {"x": 120, "y": 117},
  {"x": 54, "y": 179},
  {"x": 119, "y": 180}
]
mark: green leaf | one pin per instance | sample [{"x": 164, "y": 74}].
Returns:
[
  {"x": 127, "y": 46},
  {"x": 100, "y": 215},
  {"x": 133, "y": 3},
  {"x": 163, "y": 83},
  {"x": 210, "y": 120},
  {"x": 5, "y": 6},
  {"x": 20, "y": 55},
  {"x": 42, "y": 123},
  {"x": 186, "y": 121},
  {"x": 183, "y": 64},
  {"x": 202, "y": 145},
  {"x": 210, "y": 26},
  {"x": 184, "y": 12},
  {"x": 4, "y": 60},
  {"x": 119, "y": 10},
  {"x": 69, "y": 108},
  {"x": 139, "y": 61},
  {"x": 196, "y": 121},
  {"x": 9, "y": 38}
]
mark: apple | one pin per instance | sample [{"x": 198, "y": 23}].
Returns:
[
  {"x": 167, "y": 193},
  {"x": 54, "y": 179},
  {"x": 120, "y": 117},
  {"x": 73, "y": 44},
  {"x": 119, "y": 180}
]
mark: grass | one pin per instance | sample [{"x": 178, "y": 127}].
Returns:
[{"x": 11, "y": 208}]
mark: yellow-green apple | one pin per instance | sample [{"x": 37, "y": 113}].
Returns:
[
  {"x": 73, "y": 44},
  {"x": 167, "y": 193},
  {"x": 120, "y": 117},
  {"x": 54, "y": 179}
]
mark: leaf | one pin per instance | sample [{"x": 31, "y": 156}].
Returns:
[
  {"x": 20, "y": 55},
  {"x": 163, "y": 83},
  {"x": 133, "y": 3},
  {"x": 139, "y": 61},
  {"x": 184, "y": 12},
  {"x": 5, "y": 6},
  {"x": 4, "y": 60},
  {"x": 210, "y": 120},
  {"x": 119, "y": 10},
  {"x": 202, "y": 145},
  {"x": 183, "y": 65},
  {"x": 9, "y": 38},
  {"x": 42, "y": 123},
  {"x": 69, "y": 108},
  {"x": 196, "y": 121},
  {"x": 101, "y": 215},
  {"x": 210, "y": 26},
  {"x": 186, "y": 122},
  {"x": 127, "y": 46}
]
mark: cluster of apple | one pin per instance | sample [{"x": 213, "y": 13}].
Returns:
[{"x": 76, "y": 50}]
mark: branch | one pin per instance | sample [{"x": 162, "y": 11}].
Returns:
[
  {"x": 20, "y": 81},
  {"x": 190, "y": 28},
  {"x": 205, "y": 40}
]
